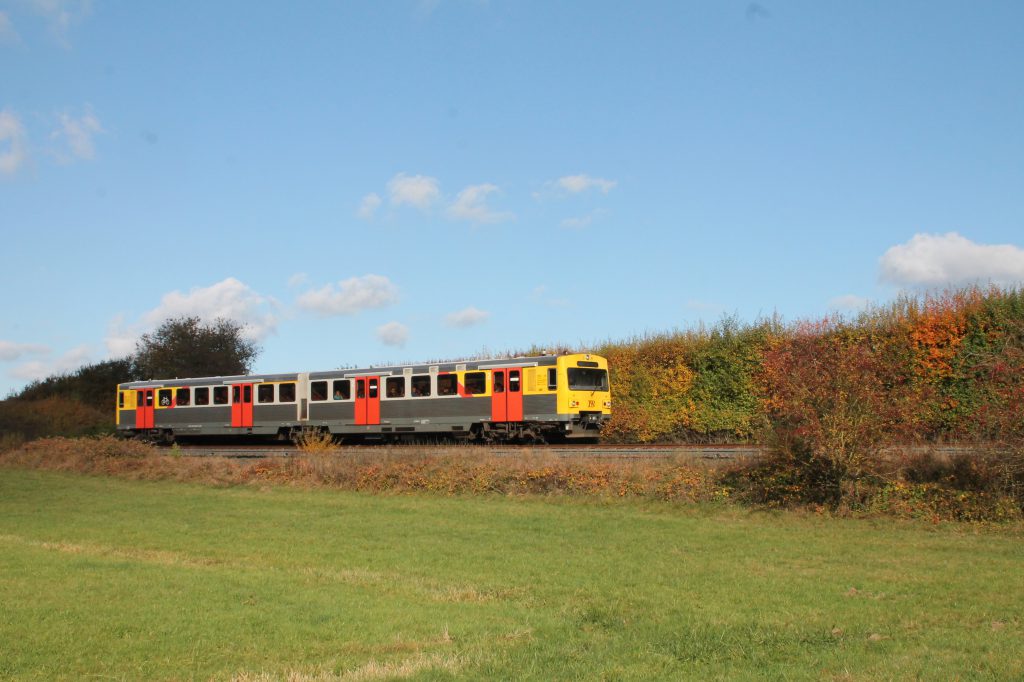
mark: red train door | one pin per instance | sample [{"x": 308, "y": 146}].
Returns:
[
  {"x": 368, "y": 400},
  {"x": 241, "y": 405},
  {"x": 144, "y": 408},
  {"x": 506, "y": 395}
]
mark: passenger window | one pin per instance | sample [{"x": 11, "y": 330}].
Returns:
[
  {"x": 120, "y": 399},
  {"x": 447, "y": 384},
  {"x": 373, "y": 388},
  {"x": 552, "y": 379},
  {"x": 247, "y": 394},
  {"x": 181, "y": 396},
  {"x": 318, "y": 391},
  {"x": 286, "y": 394},
  {"x": 265, "y": 393},
  {"x": 476, "y": 383},
  {"x": 165, "y": 397},
  {"x": 361, "y": 388},
  {"x": 421, "y": 386},
  {"x": 396, "y": 387},
  {"x": 203, "y": 396},
  {"x": 499, "y": 383},
  {"x": 342, "y": 389},
  {"x": 513, "y": 381},
  {"x": 220, "y": 395}
]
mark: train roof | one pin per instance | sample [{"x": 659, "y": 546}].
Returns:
[{"x": 391, "y": 370}]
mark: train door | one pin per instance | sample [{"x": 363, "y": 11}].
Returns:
[
  {"x": 506, "y": 395},
  {"x": 144, "y": 418},
  {"x": 367, "y": 400},
  {"x": 241, "y": 405}
]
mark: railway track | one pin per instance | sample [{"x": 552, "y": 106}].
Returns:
[{"x": 707, "y": 452}]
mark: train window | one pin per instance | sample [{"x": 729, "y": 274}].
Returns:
[
  {"x": 203, "y": 396},
  {"x": 447, "y": 384},
  {"x": 286, "y": 394},
  {"x": 182, "y": 396},
  {"x": 342, "y": 389},
  {"x": 513, "y": 381},
  {"x": 476, "y": 382},
  {"x": 552, "y": 379},
  {"x": 220, "y": 395},
  {"x": 361, "y": 388},
  {"x": 373, "y": 388},
  {"x": 149, "y": 398},
  {"x": 164, "y": 395},
  {"x": 247, "y": 394},
  {"x": 421, "y": 386},
  {"x": 395, "y": 387},
  {"x": 318, "y": 391},
  {"x": 499, "y": 383},
  {"x": 588, "y": 379},
  {"x": 120, "y": 399},
  {"x": 265, "y": 393}
]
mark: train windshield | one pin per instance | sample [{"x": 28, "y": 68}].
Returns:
[{"x": 588, "y": 379}]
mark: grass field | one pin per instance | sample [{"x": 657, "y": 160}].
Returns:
[{"x": 110, "y": 579}]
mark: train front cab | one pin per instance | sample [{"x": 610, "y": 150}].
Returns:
[{"x": 584, "y": 399}]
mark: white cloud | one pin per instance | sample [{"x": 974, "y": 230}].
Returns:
[
  {"x": 229, "y": 299},
  {"x": 371, "y": 202},
  {"x": 471, "y": 205},
  {"x": 581, "y": 183},
  {"x": 77, "y": 134},
  {"x": 393, "y": 334},
  {"x": 466, "y": 317},
  {"x": 298, "y": 279},
  {"x": 416, "y": 190},
  {"x": 933, "y": 260},
  {"x": 8, "y": 36},
  {"x": 120, "y": 339},
  {"x": 10, "y": 351},
  {"x": 13, "y": 143},
  {"x": 848, "y": 302},
  {"x": 40, "y": 369},
  {"x": 350, "y": 296}
]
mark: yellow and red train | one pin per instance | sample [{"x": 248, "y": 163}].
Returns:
[{"x": 523, "y": 399}]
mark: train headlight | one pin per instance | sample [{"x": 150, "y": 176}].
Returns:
[
  {"x": 574, "y": 403},
  {"x": 608, "y": 404}
]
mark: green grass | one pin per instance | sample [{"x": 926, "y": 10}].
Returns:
[{"x": 110, "y": 579}]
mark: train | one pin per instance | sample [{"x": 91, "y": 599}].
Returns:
[{"x": 535, "y": 399}]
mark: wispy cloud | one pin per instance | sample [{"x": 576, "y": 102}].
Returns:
[
  {"x": 76, "y": 136},
  {"x": 471, "y": 205},
  {"x": 467, "y": 317},
  {"x": 40, "y": 369},
  {"x": 10, "y": 351},
  {"x": 582, "y": 222},
  {"x": 13, "y": 143},
  {"x": 575, "y": 184},
  {"x": 420, "y": 191},
  {"x": 350, "y": 296},
  {"x": 369, "y": 205},
  {"x": 60, "y": 15},
  {"x": 393, "y": 334},
  {"x": 934, "y": 260},
  {"x": 8, "y": 36}
]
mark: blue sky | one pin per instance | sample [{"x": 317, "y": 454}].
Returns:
[{"x": 388, "y": 181}]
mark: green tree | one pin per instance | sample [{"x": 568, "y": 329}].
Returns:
[{"x": 187, "y": 347}]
